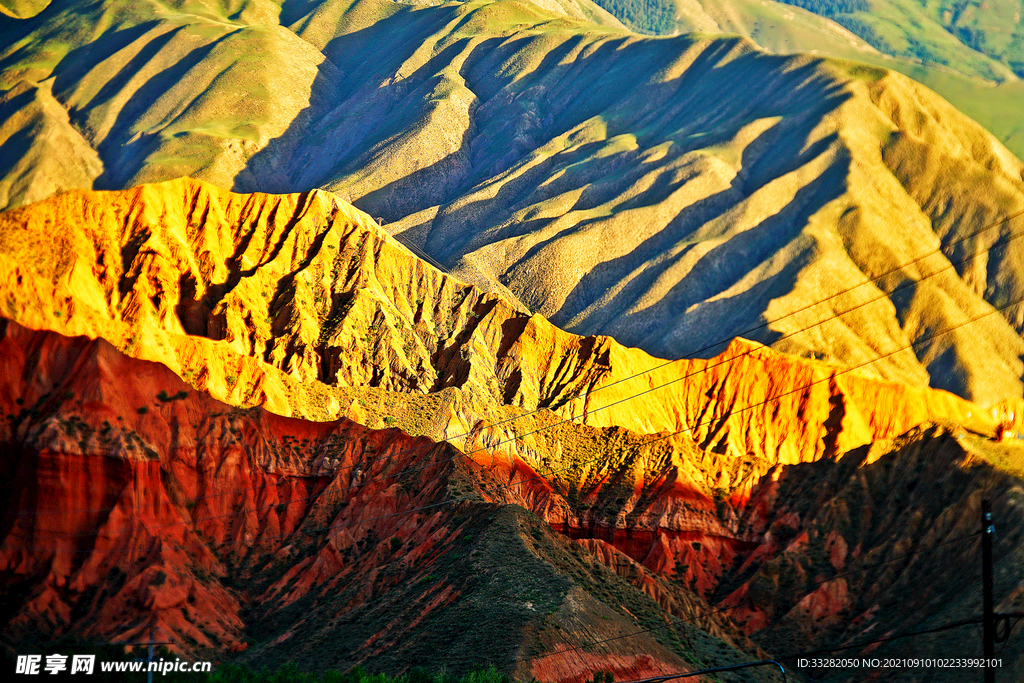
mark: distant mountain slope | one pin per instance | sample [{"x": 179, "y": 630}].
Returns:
[
  {"x": 983, "y": 87},
  {"x": 672, "y": 192},
  {"x": 961, "y": 34}
]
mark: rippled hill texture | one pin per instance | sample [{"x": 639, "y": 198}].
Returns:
[
  {"x": 651, "y": 189},
  {"x": 967, "y": 53},
  {"x": 259, "y": 423}
]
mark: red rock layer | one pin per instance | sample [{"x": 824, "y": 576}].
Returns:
[{"x": 128, "y": 495}]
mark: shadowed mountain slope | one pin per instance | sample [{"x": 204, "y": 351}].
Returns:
[
  {"x": 966, "y": 52},
  {"x": 133, "y": 502},
  {"x": 286, "y": 300}
]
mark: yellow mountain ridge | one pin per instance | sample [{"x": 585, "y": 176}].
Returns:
[
  {"x": 699, "y": 483},
  {"x": 286, "y": 300}
]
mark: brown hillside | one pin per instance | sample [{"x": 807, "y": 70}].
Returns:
[
  {"x": 133, "y": 503},
  {"x": 226, "y": 529}
]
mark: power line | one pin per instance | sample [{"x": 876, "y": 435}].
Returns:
[
  {"x": 671, "y": 625},
  {"x": 653, "y": 629},
  {"x": 884, "y": 639},
  {"x": 805, "y": 655},
  {"x": 563, "y": 421},
  {"x": 894, "y": 269},
  {"x": 836, "y": 373},
  {"x": 416, "y": 251},
  {"x": 588, "y": 411},
  {"x": 706, "y": 348},
  {"x": 655, "y": 439},
  {"x": 676, "y": 433},
  {"x": 727, "y": 608},
  {"x": 717, "y": 669}
]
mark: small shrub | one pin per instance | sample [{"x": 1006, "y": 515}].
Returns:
[{"x": 164, "y": 398}]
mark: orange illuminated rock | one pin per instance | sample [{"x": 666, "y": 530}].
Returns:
[
  {"x": 121, "y": 478},
  {"x": 271, "y": 299}
]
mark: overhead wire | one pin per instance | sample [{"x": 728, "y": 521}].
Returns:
[
  {"x": 521, "y": 482},
  {"x": 804, "y": 591},
  {"x": 805, "y": 655},
  {"x": 693, "y": 354},
  {"x": 416, "y": 251},
  {"x": 837, "y": 372},
  {"x": 883, "y": 639},
  {"x": 842, "y": 371},
  {"x": 726, "y": 608},
  {"x": 590, "y": 411},
  {"x": 715, "y": 670},
  {"x": 652, "y": 438}
]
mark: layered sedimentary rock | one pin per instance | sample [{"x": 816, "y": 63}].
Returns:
[
  {"x": 120, "y": 477},
  {"x": 267, "y": 298},
  {"x": 135, "y": 505}
]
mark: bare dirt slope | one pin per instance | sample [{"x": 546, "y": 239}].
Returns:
[
  {"x": 287, "y": 300},
  {"x": 133, "y": 502},
  {"x": 135, "y": 505}
]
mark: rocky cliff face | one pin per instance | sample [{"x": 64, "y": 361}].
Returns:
[
  {"x": 129, "y": 495},
  {"x": 870, "y": 544},
  {"x": 135, "y": 504},
  {"x": 269, "y": 298}
]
